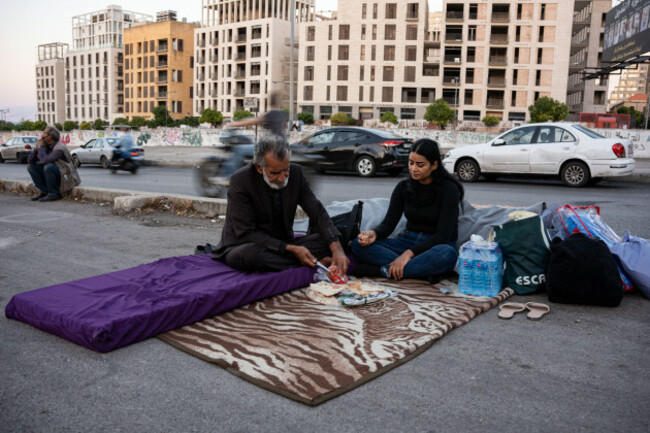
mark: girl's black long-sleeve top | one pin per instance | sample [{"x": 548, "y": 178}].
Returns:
[{"x": 431, "y": 209}]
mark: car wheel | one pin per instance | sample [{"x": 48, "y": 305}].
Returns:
[
  {"x": 365, "y": 166},
  {"x": 575, "y": 174},
  {"x": 468, "y": 170},
  {"x": 105, "y": 162},
  {"x": 75, "y": 161}
]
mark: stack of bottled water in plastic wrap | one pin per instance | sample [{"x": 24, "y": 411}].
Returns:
[{"x": 480, "y": 267}]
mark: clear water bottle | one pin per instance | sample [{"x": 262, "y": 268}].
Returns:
[
  {"x": 494, "y": 277},
  {"x": 465, "y": 270},
  {"x": 479, "y": 273}
]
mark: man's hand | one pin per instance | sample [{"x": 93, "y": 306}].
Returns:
[
  {"x": 396, "y": 269},
  {"x": 303, "y": 255},
  {"x": 339, "y": 259}
]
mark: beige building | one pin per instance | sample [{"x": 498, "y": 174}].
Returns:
[
  {"x": 158, "y": 67},
  {"x": 50, "y": 83},
  {"x": 94, "y": 65},
  {"x": 368, "y": 58},
  {"x": 242, "y": 53},
  {"x": 633, "y": 81}
]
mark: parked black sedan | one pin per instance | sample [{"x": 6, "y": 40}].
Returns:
[{"x": 363, "y": 150}]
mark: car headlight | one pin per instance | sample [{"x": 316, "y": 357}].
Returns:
[{"x": 447, "y": 155}]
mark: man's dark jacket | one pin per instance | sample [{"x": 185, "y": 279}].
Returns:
[{"x": 250, "y": 207}]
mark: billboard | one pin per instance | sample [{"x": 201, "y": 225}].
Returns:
[{"x": 627, "y": 31}]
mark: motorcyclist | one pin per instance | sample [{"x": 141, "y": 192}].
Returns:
[
  {"x": 124, "y": 144},
  {"x": 275, "y": 121}
]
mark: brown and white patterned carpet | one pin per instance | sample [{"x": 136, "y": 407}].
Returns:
[{"x": 310, "y": 352}]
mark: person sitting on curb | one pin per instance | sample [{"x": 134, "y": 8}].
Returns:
[
  {"x": 42, "y": 165},
  {"x": 262, "y": 201}
]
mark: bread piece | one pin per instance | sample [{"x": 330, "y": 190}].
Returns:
[{"x": 327, "y": 289}]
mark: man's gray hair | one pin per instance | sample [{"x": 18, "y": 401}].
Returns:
[
  {"x": 273, "y": 144},
  {"x": 53, "y": 132}
]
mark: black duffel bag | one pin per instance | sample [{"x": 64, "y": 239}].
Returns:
[{"x": 582, "y": 270}]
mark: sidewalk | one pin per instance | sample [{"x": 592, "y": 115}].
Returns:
[{"x": 188, "y": 156}]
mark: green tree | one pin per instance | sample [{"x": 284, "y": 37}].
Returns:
[
  {"x": 490, "y": 121},
  {"x": 306, "y": 117},
  {"x": 388, "y": 116},
  {"x": 137, "y": 122},
  {"x": 636, "y": 117},
  {"x": 339, "y": 119},
  {"x": 25, "y": 125},
  {"x": 213, "y": 117},
  {"x": 58, "y": 126},
  {"x": 547, "y": 109},
  {"x": 99, "y": 124},
  {"x": 84, "y": 125},
  {"x": 189, "y": 121},
  {"x": 120, "y": 121},
  {"x": 161, "y": 116},
  {"x": 241, "y": 114},
  {"x": 151, "y": 123},
  {"x": 439, "y": 112},
  {"x": 6, "y": 126},
  {"x": 39, "y": 125},
  {"x": 68, "y": 125},
  {"x": 351, "y": 121}
]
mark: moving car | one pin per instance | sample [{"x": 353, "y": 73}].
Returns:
[
  {"x": 363, "y": 150},
  {"x": 17, "y": 148},
  {"x": 98, "y": 151},
  {"x": 576, "y": 154}
]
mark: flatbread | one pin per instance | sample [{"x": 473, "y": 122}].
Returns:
[
  {"x": 327, "y": 289},
  {"x": 363, "y": 289}
]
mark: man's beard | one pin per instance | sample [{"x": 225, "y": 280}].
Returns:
[{"x": 274, "y": 185}]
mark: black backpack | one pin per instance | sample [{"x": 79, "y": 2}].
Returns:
[
  {"x": 582, "y": 270},
  {"x": 348, "y": 223}
]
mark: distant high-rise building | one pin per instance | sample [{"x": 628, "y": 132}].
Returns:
[
  {"x": 158, "y": 68},
  {"x": 633, "y": 81},
  {"x": 95, "y": 64},
  {"x": 242, "y": 51},
  {"x": 50, "y": 82}
]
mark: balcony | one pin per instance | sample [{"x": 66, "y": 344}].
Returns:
[
  {"x": 200, "y": 60},
  {"x": 498, "y": 61},
  {"x": 161, "y": 64},
  {"x": 450, "y": 81},
  {"x": 200, "y": 93},
  {"x": 500, "y": 17},
  {"x": 454, "y": 16},
  {"x": 494, "y": 103},
  {"x": 240, "y": 57},
  {"x": 213, "y": 93},
  {"x": 431, "y": 59},
  {"x": 496, "y": 82},
  {"x": 240, "y": 93},
  {"x": 162, "y": 48},
  {"x": 214, "y": 58},
  {"x": 499, "y": 39},
  {"x": 200, "y": 76},
  {"x": 160, "y": 95},
  {"x": 574, "y": 66},
  {"x": 201, "y": 43},
  {"x": 450, "y": 100},
  {"x": 454, "y": 59},
  {"x": 214, "y": 41},
  {"x": 213, "y": 75},
  {"x": 240, "y": 75},
  {"x": 161, "y": 80},
  {"x": 454, "y": 38},
  {"x": 240, "y": 39}
]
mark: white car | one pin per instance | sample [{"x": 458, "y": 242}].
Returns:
[
  {"x": 17, "y": 148},
  {"x": 576, "y": 154}
]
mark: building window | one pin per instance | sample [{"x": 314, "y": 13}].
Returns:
[
  {"x": 409, "y": 73},
  {"x": 310, "y": 54},
  {"x": 327, "y": 93},
  {"x": 389, "y": 52},
  {"x": 362, "y": 55},
  {"x": 542, "y": 14},
  {"x": 374, "y": 32},
  {"x": 411, "y": 32},
  {"x": 539, "y": 56},
  {"x": 372, "y": 73},
  {"x": 329, "y": 32},
  {"x": 329, "y": 72},
  {"x": 538, "y": 78},
  {"x": 516, "y": 59},
  {"x": 541, "y": 34},
  {"x": 389, "y": 73},
  {"x": 471, "y": 33},
  {"x": 387, "y": 94},
  {"x": 308, "y": 94},
  {"x": 364, "y": 11},
  {"x": 411, "y": 53},
  {"x": 389, "y": 32},
  {"x": 309, "y": 73},
  {"x": 342, "y": 93},
  {"x": 412, "y": 11},
  {"x": 360, "y": 93},
  {"x": 363, "y": 32},
  {"x": 373, "y": 53},
  {"x": 329, "y": 52},
  {"x": 342, "y": 74},
  {"x": 374, "y": 11},
  {"x": 513, "y": 98},
  {"x": 515, "y": 76},
  {"x": 344, "y": 32},
  {"x": 372, "y": 94},
  {"x": 361, "y": 72},
  {"x": 344, "y": 52},
  {"x": 311, "y": 33},
  {"x": 177, "y": 76},
  {"x": 519, "y": 11},
  {"x": 391, "y": 11}
]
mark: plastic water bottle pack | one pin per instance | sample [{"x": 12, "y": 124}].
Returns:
[{"x": 480, "y": 267}]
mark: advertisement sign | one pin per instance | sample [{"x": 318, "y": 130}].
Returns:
[{"x": 627, "y": 31}]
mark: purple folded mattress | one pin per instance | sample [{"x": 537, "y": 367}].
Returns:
[{"x": 109, "y": 311}]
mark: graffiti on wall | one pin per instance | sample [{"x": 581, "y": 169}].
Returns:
[{"x": 640, "y": 139}]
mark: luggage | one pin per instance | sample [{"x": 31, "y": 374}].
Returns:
[
  {"x": 633, "y": 255},
  {"x": 582, "y": 270}
]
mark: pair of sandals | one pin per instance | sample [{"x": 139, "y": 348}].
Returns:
[{"x": 535, "y": 310}]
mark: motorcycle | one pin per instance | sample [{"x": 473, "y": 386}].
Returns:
[
  {"x": 129, "y": 160},
  {"x": 210, "y": 176}
]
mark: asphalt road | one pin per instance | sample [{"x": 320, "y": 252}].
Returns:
[
  {"x": 624, "y": 205},
  {"x": 578, "y": 369}
]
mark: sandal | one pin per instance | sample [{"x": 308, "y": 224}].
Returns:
[
  {"x": 537, "y": 310},
  {"x": 509, "y": 309}
]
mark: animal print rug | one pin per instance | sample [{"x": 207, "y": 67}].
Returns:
[{"x": 311, "y": 352}]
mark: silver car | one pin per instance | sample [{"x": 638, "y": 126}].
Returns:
[
  {"x": 17, "y": 148},
  {"x": 95, "y": 151}
]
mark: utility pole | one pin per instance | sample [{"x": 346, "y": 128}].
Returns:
[{"x": 291, "y": 95}]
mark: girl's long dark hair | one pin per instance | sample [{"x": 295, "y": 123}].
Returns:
[{"x": 430, "y": 150}]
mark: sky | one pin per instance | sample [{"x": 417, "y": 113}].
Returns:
[{"x": 29, "y": 23}]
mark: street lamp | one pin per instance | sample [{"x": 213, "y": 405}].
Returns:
[{"x": 4, "y": 112}]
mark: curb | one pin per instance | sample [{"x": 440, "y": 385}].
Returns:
[{"x": 125, "y": 202}]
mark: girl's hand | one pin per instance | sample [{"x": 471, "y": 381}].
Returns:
[
  {"x": 396, "y": 269},
  {"x": 366, "y": 238}
]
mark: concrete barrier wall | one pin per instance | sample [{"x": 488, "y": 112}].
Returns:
[{"x": 209, "y": 137}]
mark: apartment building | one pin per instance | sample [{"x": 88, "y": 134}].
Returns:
[
  {"x": 158, "y": 65},
  {"x": 633, "y": 81},
  {"x": 368, "y": 58},
  {"x": 50, "y": 83},
  {"x": 94, "y": 65},
  {"x": 242, "y": 53},
  {"x": 587, "y": 39}
]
